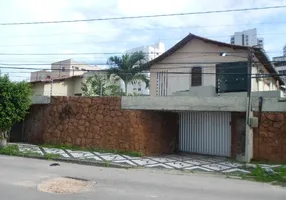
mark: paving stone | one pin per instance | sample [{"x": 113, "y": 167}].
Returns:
[
  {"x": 178, "y": 165},
  {"x": 199, "y": 168},
  {"x": 231, "y": 164},
  {"x": 143, "y": 162},
  {"x": 236, "y": 170},
  {"x": 127, "y": 162},
  {"x": 162, "y": 160},
  {"x": 196, "y": 162},
  {"x": 159, "y": 165},
  {"x": 113, "y": 157},
  {"x": 186, "y": 162},
  {"x": 216, "y": 167},
  {"x": 84, "y": 155}
]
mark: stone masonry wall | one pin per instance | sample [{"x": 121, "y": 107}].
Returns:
[
  {"x": 100, "y": 122},
  {"x": 270, "y": 138}
]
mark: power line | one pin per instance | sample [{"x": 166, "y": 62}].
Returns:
[
  {"x": 142, "y": 16},
  {"x": 264, "y": 75},
  {"x": 94, "y": 64},
  {"x": 77, "y": 43},
  {"x": 114, "y": 53},
  {"x": 146, "y": 29},
  {"x": 116, "y": 41},
  {"x": 101, "y": 70}
]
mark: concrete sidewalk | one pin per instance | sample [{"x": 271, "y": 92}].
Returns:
[{"x": 186, "y": 162}]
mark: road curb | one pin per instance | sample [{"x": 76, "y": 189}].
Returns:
[{"x": 77, "y": 161}]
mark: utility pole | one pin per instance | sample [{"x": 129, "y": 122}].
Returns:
[
  {"x": 248, "y": 152},
  {"x": 249, "y": 80}
]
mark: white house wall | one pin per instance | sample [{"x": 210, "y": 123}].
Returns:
[
  {"x": 262, "y": 85},
  {"x": 196, "y": 51}
]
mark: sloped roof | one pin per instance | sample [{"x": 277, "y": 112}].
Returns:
[
  {"x": 259, "y": 53},
  {"x": 55, "y": 79}
]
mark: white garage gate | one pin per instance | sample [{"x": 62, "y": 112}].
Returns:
[{"x": 205, "y": 133}]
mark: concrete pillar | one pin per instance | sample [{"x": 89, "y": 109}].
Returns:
[
  {"x": 249, "y": 142},
  {"x": 248, "y": 155}
]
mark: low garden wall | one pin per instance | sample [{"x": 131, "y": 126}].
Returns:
[
  {"x": 270, "y": 138},
  {"x": 101, "y": 123}
]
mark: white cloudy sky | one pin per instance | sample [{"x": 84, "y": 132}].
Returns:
[{"x": 119, "y": 35}]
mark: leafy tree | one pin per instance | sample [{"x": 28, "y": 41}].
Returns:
[
  {"x": 100, "y": 85},
  {"x": 129, "y": 68},
  {"x": 15, "y": 100}
]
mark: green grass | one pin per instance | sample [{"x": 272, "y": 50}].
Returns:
[
  {"x": 13, "y": 150},
  {"x": 266, "y": 162},
  {"x": 277, "y": 177},
  {"x": 107, "y": 163},
  {"x": 76, "y": 148}
]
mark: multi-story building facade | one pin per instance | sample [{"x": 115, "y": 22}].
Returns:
[
  {"x": 62, "y": 69},
  {"x": 280, "y": 64},
  {"x": 151, "y": 52},
  {"x": 247, "y": 38}
]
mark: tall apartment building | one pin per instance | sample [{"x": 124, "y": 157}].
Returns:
[
  {"x": 284, "y": 50},
  {"x": 247, "y": 38},
  {"x": 151, "y": 52},
  {"x": 62, "y": 69}
]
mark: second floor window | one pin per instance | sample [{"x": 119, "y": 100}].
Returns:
[{"x": 196, "y": 76}]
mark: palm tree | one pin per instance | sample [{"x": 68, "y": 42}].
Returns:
[
  {"x": 100, "y": 85},
  {"x": 129, "y": 68}
]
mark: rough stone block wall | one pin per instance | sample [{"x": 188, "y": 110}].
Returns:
[
  {"x": 270, "y": 138},
  {"x": 100, "y": 122}
]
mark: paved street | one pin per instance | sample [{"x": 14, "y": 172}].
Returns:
[
  {"x": 20, "y": 176},
  {"x": 187, "y": 162}
]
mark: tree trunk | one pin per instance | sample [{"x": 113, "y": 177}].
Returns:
[
  {"x": 3, "y": 138},
  {"x": 126, "y": 92}
]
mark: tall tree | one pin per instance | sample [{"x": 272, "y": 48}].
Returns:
[
  {"x": 15, "y": 100},
  {"x": 129, "y": 68},
  {"x": 101, "y": 85}
]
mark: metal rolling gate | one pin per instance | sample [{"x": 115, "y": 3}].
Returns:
[{"x": 205, "y": 133}]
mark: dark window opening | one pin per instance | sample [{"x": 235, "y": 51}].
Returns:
[
  {"x": 231, "y": 77},
  {"x": 196, "y": 76}
]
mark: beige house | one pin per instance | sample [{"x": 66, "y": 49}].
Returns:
[
  {"x": 206, "y": 83},
  {"x": 66, "y": 86},
  {"x": 193, "y": 63},
  {"x": 70, "y": 86}
]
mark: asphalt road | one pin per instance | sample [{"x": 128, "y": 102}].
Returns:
[{"x": 19, "y": 178}]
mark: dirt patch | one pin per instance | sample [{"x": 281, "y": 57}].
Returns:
[{"x": 65, "y": 185}]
